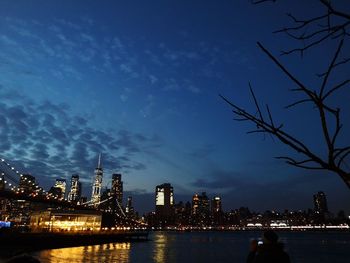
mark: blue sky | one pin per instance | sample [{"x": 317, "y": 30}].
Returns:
[{"x": 139, "y": 82}]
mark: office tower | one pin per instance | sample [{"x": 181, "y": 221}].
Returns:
[
  {"x": 216, "y": 211},
  {"x": 164, "y": 203},
  {"x": 129, "y": 209},
  {"x": 27, "y": 184},
  {"x": 97, "y": 184},
  {"x": 200, "y": 208},
  {"x": 75, "y": 189},
  {"x": 61, "y": 183},
  {"x": 117, "y": 188},
  {"x": 320, "y": 203},
  {"x": 216, "y": 206}
]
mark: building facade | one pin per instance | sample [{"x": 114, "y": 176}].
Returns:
[
  {"x": 62, "y": 184},
  {"x": 97, "y": 184},
  {"x": 320, "y": 203},
  {"x": 75, "y": 189},
  {"x": 164, "y": 203},
  {"x": 117, "y": 188}
]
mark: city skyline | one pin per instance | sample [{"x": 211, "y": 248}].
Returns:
[{"x": 144, "y": 93}]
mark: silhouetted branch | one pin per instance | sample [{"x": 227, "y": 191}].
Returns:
[
  {"x": 255, "y": 2},
  {"x": 298, "y": 102},
  {"x": 300, "y": 164},
  {"x": 331, "y": 66},
  {"x": 311, "y": 32},
  {"x": 335, "y": 65}
]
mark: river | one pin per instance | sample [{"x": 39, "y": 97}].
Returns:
[{"x": 171, "y": 247}]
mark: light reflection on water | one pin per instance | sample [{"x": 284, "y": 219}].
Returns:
[
  {"x": 172, "y": 247},
  {"x": 112, "y": 252}
]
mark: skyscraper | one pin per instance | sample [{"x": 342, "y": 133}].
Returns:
[
  {"x": 200, "y": 208},
  {"x": 216, "y": 210},
  {"x": 216, "y": 206},
  {"x": 117, "y": 188},
  {"x": 97, "y": 184},
  {"x": 75, "y": 189},
  {"x": 61, "y": 183},
  {"x": 164, "y": 203},
  {"x": 320, "y": 203},
  {"x": 129, "y": 209}
]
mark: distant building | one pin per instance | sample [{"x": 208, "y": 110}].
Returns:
[
  {"x": 97, "y": 184},
  {"x": 56, "y": 192},
  {"x": 216, "y": 206},
  {"x": 117, "y": 188},
  {"x": 106, "y": 203},
  {"x": 75, "y": 189},
  {"x": 27, "y": 184},
  {"x": 62, "y": 184},
  {"x": 129, "y": 209},
  {"x": 216, "y": 210},
  {"x": 200, "y": 209},
  {"x": 320, "y": 203},
  {"x": 164, "y": 203}
]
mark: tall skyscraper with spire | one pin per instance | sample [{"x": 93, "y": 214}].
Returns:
[{"x": 97, "y": 184}]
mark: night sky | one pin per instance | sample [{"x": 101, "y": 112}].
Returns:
[{"x": 139, "y": 81}]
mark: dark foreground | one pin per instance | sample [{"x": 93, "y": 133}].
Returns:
[{"x": 232, "y": 247}]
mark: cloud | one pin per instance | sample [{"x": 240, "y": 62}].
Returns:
[
  {"x": 203, "y": 152},
  {"x": 219, "y": 180},
  {"x": 45, "y": 140}
]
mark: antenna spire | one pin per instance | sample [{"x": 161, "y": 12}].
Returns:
[{"x": 99, "y": 161}]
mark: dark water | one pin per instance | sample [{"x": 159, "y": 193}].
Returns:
[{"x": 172, "y": 247}]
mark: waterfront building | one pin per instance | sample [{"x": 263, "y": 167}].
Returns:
[
  {"x": 58, "y": 221},
  {"x": 164, "y": 203},
  {"x": 75, "y": 189},
  {"x": 97, "y": 184},
  {"x": 61, "y": 183}
]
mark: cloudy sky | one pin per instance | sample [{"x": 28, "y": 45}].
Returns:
[{"x": 138, "y": 81}]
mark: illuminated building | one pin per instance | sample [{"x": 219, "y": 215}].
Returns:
[
  {"x": 216, "y": 206},
  {"x": 200, "y": 208},
  {"x": 57, "y": 221},
  {"x": 216, "y": 210},
  {"x": 75, "y": 189},
  {"x": 195, "y": 204},
  {"x": 129, "y": 209},
  {"x": 61, "y": 183},
  {"x": 117, "y": 189},
  {"x": 26, "y": 184},
  {"x": 320, "y": 203},
  {"x": 164, "y": 203},
  {"x": 97, "y": 184},
  {"x": 19, "y": 212}
]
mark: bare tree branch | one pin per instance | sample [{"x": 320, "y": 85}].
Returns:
[{"x": 318, "y": 30}]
